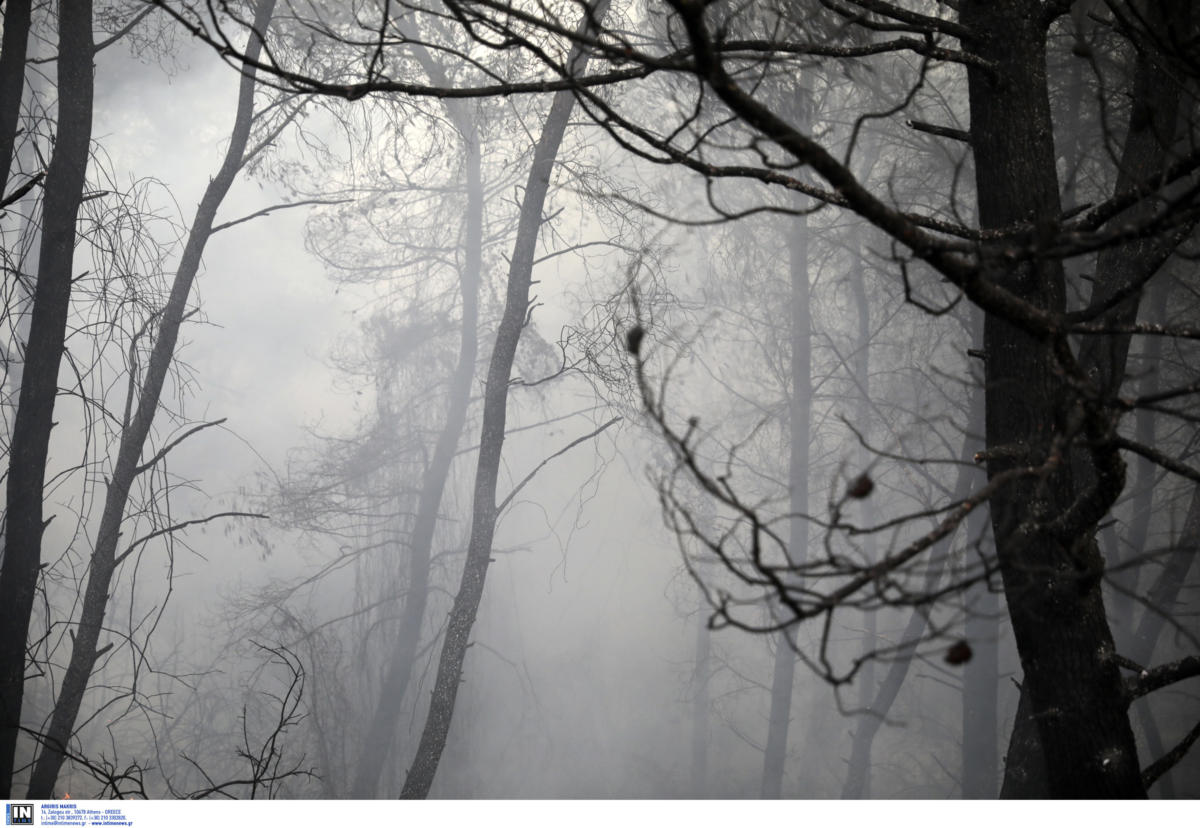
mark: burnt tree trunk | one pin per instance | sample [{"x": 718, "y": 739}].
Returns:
[
  {"x": 1049, "y": 555},
  {"x": 17, "y": 14},
  {"x": 1051, "y": 567},
  {"x": 491, "y": 443},
  {"x": 104, "y": 560},
  {"x": 39, "y": 382},
  {"x": 382, "y": 731}
]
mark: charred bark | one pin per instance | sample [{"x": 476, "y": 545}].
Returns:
[
  {"x": 17, "y": 15},
  {"x": 39, "y": 382},
  {"x": 104, "y": 560},
  {"x": 1051, "y": 571},
  {"x": 491, "y": 443},
  {"x": 1065, "y": 566}
]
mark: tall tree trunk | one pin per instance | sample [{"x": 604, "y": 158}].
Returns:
[
  {"x": 491, "y": 443},
  {"x": 1051, "y": 578},
  {"x": 17, "y": 14},
  {"x": 867, "y": 684},
  {"x": 39, "y": 382},
  {"x": 783, "y": 677},
  {"x": 382, "y": 731},
  {"x": 700, "y": 701},
  {"x": 799, "y": 419},
  {"x": 104, "y": 561},
  {"x": 22, "y": 260},
  {"x": 1148, "y": 149}
]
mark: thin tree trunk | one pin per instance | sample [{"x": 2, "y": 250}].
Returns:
[
  {"x": 491, "y": 443},
  {"x": 700, "y": 701},
  {"x": 783, "y": 677},
  {"x": 799, "y": 417},
  {"x": 24, "y": 260},
  {"x": 84, "y": 651},
  {"x": 39, "y": 382},
  {"x": 867, "y": 684},
  {"x": 17, "y": 14},
  {"x": 382, "y": 731}
]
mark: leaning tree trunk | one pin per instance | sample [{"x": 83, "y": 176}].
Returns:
[
  {"x": 382, "y": 731},
  {"x": 491, "y": 443},
  {"x": 39, "y": 382},
  {"x": 104, "y": 561},
  {"x": 1051, "y": 573}
]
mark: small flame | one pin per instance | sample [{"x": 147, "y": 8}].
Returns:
[{"x": 66, "y": 796}]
